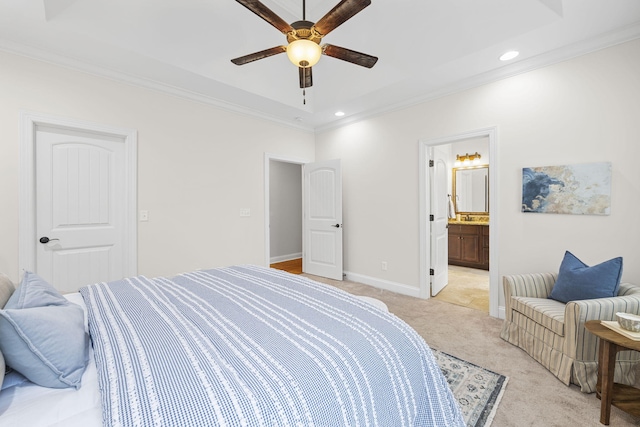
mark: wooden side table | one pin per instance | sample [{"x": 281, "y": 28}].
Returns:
[{"x": 621, "y": 396}]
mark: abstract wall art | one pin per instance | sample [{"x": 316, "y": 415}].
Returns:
[{"x": 583, "y": 189}]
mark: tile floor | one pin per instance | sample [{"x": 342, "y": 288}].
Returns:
[{"x": 468, "y": 287}]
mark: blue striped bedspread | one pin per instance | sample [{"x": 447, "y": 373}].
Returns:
[{"x": 251, "y": 346}]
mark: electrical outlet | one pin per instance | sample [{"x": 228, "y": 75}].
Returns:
[
  {"x": 244, "y": 212},
  {"x": 384, "y": 265}
]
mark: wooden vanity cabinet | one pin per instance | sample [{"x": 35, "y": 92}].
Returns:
[
  {"x": 469, "y": 245},
  {"x": 485, "y": 246}
]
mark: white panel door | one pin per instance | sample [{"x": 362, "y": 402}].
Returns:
[
  {"x": 80, "y": 207},
  {"x": 322, "y": 225},
  {"x": 439, "y": 225}
]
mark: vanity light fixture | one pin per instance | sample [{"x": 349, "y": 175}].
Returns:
[{"x": 467, "y": 158}]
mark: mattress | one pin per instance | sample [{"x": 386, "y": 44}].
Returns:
[{"x": 242, "y": 345}]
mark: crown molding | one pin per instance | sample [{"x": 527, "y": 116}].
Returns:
[
  {"x": 619, "y": 36},
  {"x": 603, "y": 41},
  {"x": 129, "y": 79}
]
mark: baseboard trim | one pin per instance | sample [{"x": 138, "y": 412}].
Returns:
[
  {"x": 387, "y": 285},
  {"x": 283, "y": 258}
]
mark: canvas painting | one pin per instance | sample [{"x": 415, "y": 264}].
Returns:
[{"x": 583, "y": 189}]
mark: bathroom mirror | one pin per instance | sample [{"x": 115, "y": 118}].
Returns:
[{"x": 471, "y": 189}]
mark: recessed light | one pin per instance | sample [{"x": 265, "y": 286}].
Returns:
[
  {"x": 339, "y": 113},
  {"x": 509, "y": 55}
]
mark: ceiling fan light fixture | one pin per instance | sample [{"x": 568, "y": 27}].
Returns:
[{"x": 304, "y": 53}]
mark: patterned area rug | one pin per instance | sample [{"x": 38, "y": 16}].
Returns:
[{"x": 477, "y": 390}]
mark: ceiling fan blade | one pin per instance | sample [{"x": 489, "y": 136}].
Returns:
[
  {"x": 259, "y": 55},
  {"x": 267, "y": 14},
  {"x": 306, "y": 77},
  {"x": 339, "y": 14},
  {"x": 349, "y": 55}
]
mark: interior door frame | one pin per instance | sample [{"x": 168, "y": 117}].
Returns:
[
  {"x": 27, "y": 199},
  {"x": 425, "y": 201},
  {"x": 267, "y": 220}
]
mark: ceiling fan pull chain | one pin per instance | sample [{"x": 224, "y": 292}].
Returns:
[{"x": 304, "y": 78}]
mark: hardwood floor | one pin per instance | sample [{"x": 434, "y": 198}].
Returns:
[{"x": 293, "y": 266}]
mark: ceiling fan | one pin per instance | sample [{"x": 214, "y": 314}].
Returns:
[{"x": 304, "y": 38}]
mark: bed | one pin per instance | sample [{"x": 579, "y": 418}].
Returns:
[{"x": 242, "y": 345}]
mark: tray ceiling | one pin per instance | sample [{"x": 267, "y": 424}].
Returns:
[{"x": 426, "y": 48}]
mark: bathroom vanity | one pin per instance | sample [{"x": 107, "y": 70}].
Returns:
[
  {"x": 469, "y": 232},
  {"x": 469, "y": 245}
]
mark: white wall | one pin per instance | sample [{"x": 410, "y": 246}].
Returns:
[
  {"x": 285, "y": 205},
  {"x": 583, "y": 110},
  {"x": 197, "y": 164}
]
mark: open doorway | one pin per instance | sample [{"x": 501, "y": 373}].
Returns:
[
  {"x": 468, "y": 223},
  {"x": 472, "y": 268},
  {"x": 320, "y": 209},
  {"x": 285, "y": 216}
]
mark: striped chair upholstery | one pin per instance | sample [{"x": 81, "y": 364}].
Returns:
[{"x": 553, "y": 333}]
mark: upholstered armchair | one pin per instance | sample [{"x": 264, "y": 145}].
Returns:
[{"x": 553, "y": 332}]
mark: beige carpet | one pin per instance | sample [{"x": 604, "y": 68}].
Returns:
[{"x": 533, "y": 397}]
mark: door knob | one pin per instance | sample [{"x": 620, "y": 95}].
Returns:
[
  {"x": 336, "y": 225},
  {"x": 45, "y": 239}
]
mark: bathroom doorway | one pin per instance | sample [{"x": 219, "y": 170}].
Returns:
[{"x": 472, "y": 268}]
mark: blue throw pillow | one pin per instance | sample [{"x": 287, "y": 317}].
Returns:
[
  {"x": 34, "y": 291},
  {"x": 577, "y": 281},
  {"x": 42, "y": 335}
]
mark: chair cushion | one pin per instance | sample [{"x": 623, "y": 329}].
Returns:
[
  {"x": 546, "y": 312},
  {"x": 578, "y": 281}
]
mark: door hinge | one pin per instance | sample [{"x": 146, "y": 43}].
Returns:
[
  {"x": 430, "y": 163},
  {"x": 432, "y": 272},
  {"x": 431, "y": 218}
]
